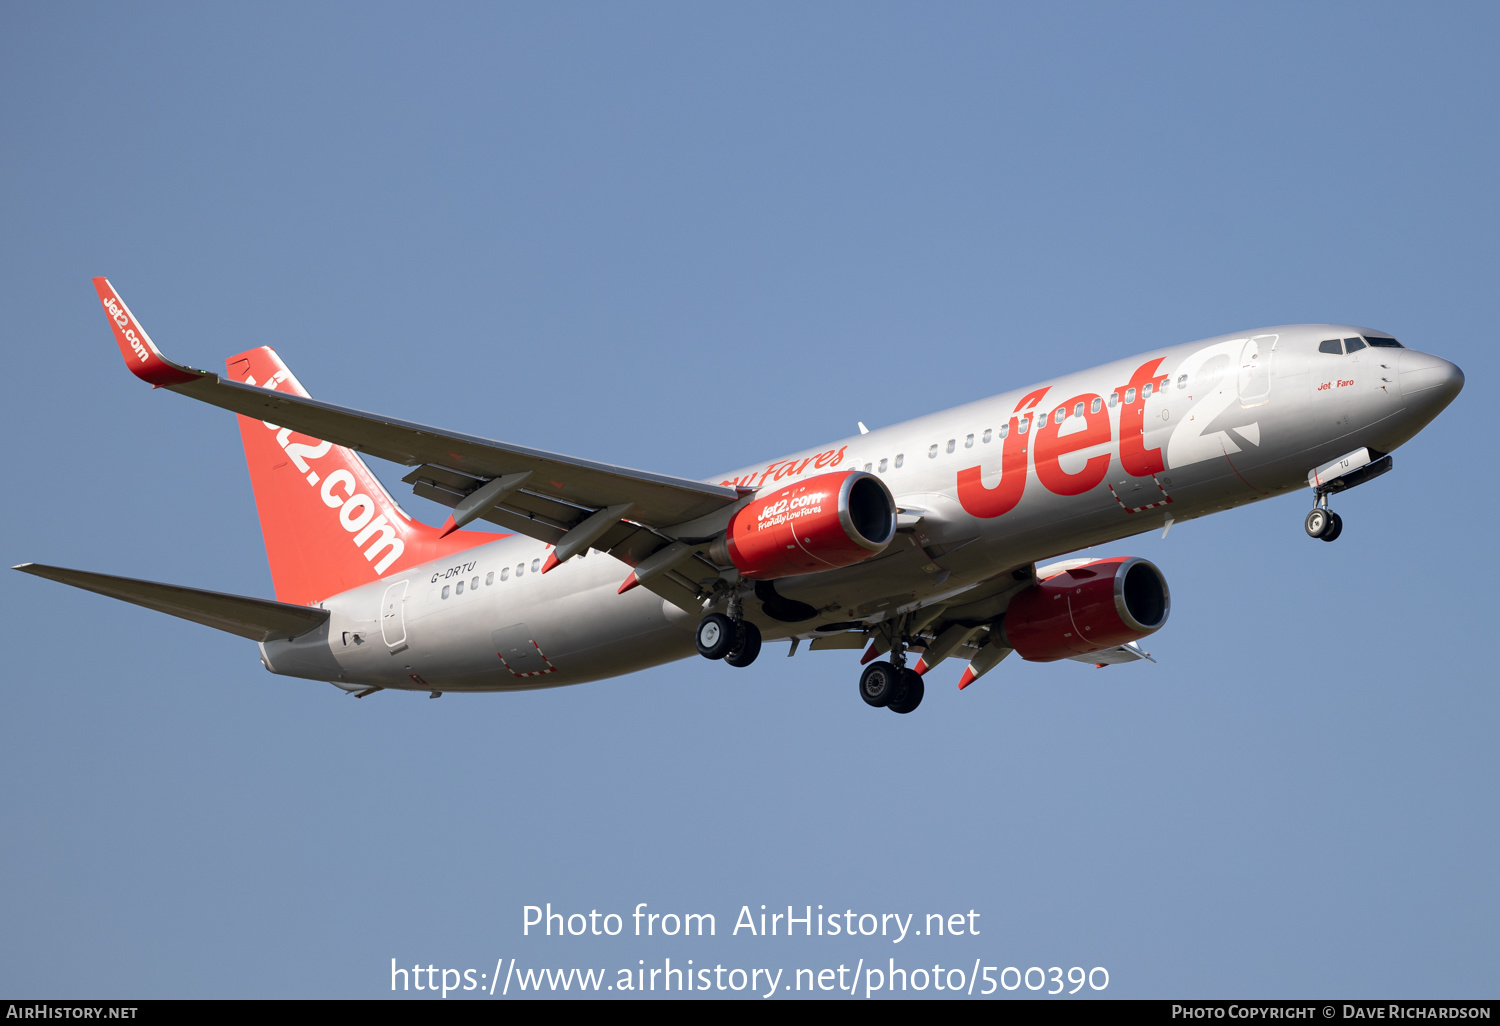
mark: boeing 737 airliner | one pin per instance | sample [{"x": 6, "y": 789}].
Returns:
[{"x": 923, "y": 536}]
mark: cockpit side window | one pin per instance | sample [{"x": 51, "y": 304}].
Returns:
[
  {"x": 1354, "y": 345},
  {"x": 1332, "y": 346},
  {"x": 1383, "y": 343}
]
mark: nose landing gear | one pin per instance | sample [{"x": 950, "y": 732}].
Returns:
[
  {"x": 1340, "y": 475},
  {"x": 1323, "y": 522}
]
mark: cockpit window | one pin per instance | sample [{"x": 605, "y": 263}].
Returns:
[
  {"x": 1383, "y": 343},
  {"x": 1354, "y": 345},
  {"x": 1331, "y": 345}
]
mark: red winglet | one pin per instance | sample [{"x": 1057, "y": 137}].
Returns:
[
  {"x": 449, "y": 526},
  {"x": 141, "y": 355},
  {"x": 870, "y": 653},
  {"x": 552, "y": 561},
  {"x": 630, "y": 582},
  {"x": 967, "y": 679},
  {"x": 921, "y": 666}
]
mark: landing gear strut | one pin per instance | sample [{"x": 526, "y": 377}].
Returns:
[{"x": 1323, "y": 522}]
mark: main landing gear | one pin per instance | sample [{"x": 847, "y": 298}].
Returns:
[
  {"x": 888, "y": 686},
  {"x": 891, "y": 685},
  {"x": 1323, "y": 522},
  {"x": 737, "y": 642}
]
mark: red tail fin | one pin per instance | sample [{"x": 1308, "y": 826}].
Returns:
[{"x": 329, "y": 525}]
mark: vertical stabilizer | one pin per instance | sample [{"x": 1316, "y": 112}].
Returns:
[{"x": 328, "y": 523}]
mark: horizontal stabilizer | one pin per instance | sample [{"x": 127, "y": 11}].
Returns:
[{"x": 253, "y": 618}]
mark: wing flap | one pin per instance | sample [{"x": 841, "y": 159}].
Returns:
[
  {"x": 537, "y": 516},
  {"x": 676, "y": 590},
  {"x": 253, "y": 618}
]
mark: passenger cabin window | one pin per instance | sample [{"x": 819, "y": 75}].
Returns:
[
  {"x": 932, "y": 451},
  {"x": 1182, "y": 381},
  {"x": 951, "y": 443},
  {"x": 474, "y": 584},
  {"x": 1353, "y": 345},
  {"x": 520, "y": 569},
  {"x": 969, "y": 442},
  {"x": 505, "y": 574},
  {"x": 489, "y": 578},
  {"x": 1004, "y": 430},
  {"x": 536, "y": 564},
  {"x": 883, "y": 465},
  {"x": 1331, "y": 346},
  {"x": 1146, "y": 391},
  {"x": 1129, "y": 396},
  {"x": 1078, "y": 409},
  {"x": 869, "y": 467},
  {"x": 988, "y": 434},
  {"x": 1383, "y": 343},
  {"x": 1114, "y": 398},
  {"x": 460, "y": 589},
  {"x": 1025, "y": 424},
  {"x": 1096, "y": 405},
  {"x": 900, "y": 459},
  {"x": 445, "y": 591}
]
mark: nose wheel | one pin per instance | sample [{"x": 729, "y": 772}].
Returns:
[{"x": 1323, "y": 523}]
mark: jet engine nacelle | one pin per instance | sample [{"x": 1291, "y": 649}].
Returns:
[
  {"x": 820, "y": 523},
  {"x": 1088, "y": 608}
]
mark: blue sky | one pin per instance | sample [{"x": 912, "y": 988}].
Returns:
[{"x": 687, "y": 238}]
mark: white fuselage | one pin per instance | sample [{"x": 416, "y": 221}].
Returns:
[{"x": 1228, "y": 421}]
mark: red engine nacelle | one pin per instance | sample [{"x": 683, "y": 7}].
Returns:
[
  {"x": 820, "y": 523},
  {"x": 1087, "y": 609}
]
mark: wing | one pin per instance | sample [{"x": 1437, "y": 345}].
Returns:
[
  {"x": 253, "y": 618},
  {"x": 553, "y": 498},
  {"x": 560, "y": 482}
]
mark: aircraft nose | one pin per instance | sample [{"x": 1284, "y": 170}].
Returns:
[{"x": 1428, "y": 381}]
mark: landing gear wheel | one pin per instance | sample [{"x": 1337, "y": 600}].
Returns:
[
  {"x": 1335, "y": 526},
  {"x": 911, "y": 693},
  {"x": 1318, "y": 522},
  {"x": 716, "y": 636},
  {"x": 879, "y": 684},
  {"x": 747, "y": 645}
]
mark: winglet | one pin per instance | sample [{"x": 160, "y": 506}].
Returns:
[{"x": 141, "y": 355}]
